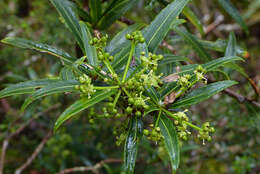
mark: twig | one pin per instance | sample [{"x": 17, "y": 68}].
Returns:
[
  {"x": 34, "y": 154},
  {"x": 241, "y": 98},
  {"x": 212, "y": 26},
  {"x": 2, "y": 159},
  {"x": 94, "y": 168}
]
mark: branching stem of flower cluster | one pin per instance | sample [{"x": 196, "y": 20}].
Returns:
[
  {"x": 129, "y": 60},
  {"x": 105, "y": 87},
  {"x": 187, "y": 123}
]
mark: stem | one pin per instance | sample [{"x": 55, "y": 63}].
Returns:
[
  {"x": 105, "y": 87},
  {"x": 157, "y": 120},
  {"x": 117, "y": 97},
  {"x": 129, "y": 61},
  {"x": 127, "y": 93},
  {"x": 188, "y": 123},
  {"x": 109, "y": 67}
]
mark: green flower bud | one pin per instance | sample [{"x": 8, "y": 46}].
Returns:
[
  {"x": 138, "y": 113},
  {"x": 129, "y": 110},
  {"x": 146, "y": 132}
]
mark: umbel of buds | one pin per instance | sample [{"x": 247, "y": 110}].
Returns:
[
  {"x": 154, "y": 134},
  {"x": 136, "y": 37},
  {"x": 86, "y": 88},
  {"x": 181, "y": 125},
  {"x": 204, "y": 132}
]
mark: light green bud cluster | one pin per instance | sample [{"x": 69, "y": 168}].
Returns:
[
  {"x": 136, "y": 37},
  {"x": 86, "y": 88},
  {"x": 181, "y": 125},
  {"x": 206, "y": 129},
  {"x": 184, "y": 81},
  {"x": 138, "y": 102},
  {"x": 199, "y": 72},
  {"x": 99, "y": 42},
  {"x": 154, "y": 134},
  {"x": 91, "y": 115},
  {"x": 151, "y": 79},
  {"x": 150, "y": 62},
  {"x": 120, "y": 139}
]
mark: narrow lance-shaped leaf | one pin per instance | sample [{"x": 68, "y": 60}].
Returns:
[
  {"x": 134, "y": 135},
  {"x": 170, "y": 58},
  {"x": 25, "y": 87},
  {"x": 89, "y": 50},
  {"x": 170, "y": 141},
  {"x": 193, "y": 19},
  {"x": 231, "y": 51},
  {"x": 60, "y": 86},
  {"x": 67, "y": 73},
  {"x": 234, "y": 13},
  {"x": 66, "y": 11},
  {"x": 27, "y": 44},
  {"x": 81, "y": 105},
  {"x": 218, "y": 45},
  {"x": 210, "y": 66},
  {"x": 157, "y": 30},
  {"x": 192, "y": 40},
  {"x": 118, "y": 9},
  {"x": 203, "y": 93},
  {"x": 95, "y": 10},
  {"x": 119, "y": 41}
]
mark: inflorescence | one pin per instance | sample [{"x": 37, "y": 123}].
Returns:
[{"x": 132, "y": 91}]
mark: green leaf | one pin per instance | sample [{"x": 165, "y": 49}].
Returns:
[
  {"x": 231, "y": 46},
  {"x": 25, "y": 87},
  {"x": 234, "y": 13},
  {"x": 203, "y": 93},
  {"x": 120, "y": 58},
  {"x": 210, "y": 66},
  {"x": 193, "y": 19},
  {"x": 66, "y": 11},
  {"x": 170, "y": 58},
  {"x": 67, "y": 73},
  {"x": 218, "y": 45},
  {"x": 153, "y": 94},
  {"x": 134, "y": 135},
  {"x": 81, "y": 105},
  {"x": 192, "y": 40},
  {"x": 151, "y": 109},
  {"x": 119, "y": 41},
  {"x": 83, "y": 14},
  {"x": 158, "y": 29},
  {"x": 89, "y": 50},
  {"x": 231, "y": 51},
  {"x": 119, "y": 9},
  {"x": 27, "y": 44},
  {"x": 60, "y": 86},
  {"x": 167, "y": 88},
  {"x": 214, "y": 64},
  {"x": 170, "y": 141},
  {"x": 95, "y": 10}
]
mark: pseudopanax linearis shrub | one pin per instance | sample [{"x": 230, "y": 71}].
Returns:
[{"x": 125, "y": 78}]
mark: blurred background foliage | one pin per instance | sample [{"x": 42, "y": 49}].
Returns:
[{"x": 236, "y": 144}]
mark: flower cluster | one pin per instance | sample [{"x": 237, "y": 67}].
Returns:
[
  {"x": 154, "y": 134},
  {"x": 184, "y": 81},
  {"x": 150, "y": 62},
  {"x": 86, "y": 88},
  {"x": 199, "y": 72},
  {"x": 204, "y": 132},
  {"x": 136, "y": 37},
  {"x": 181, "y": 125}
]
